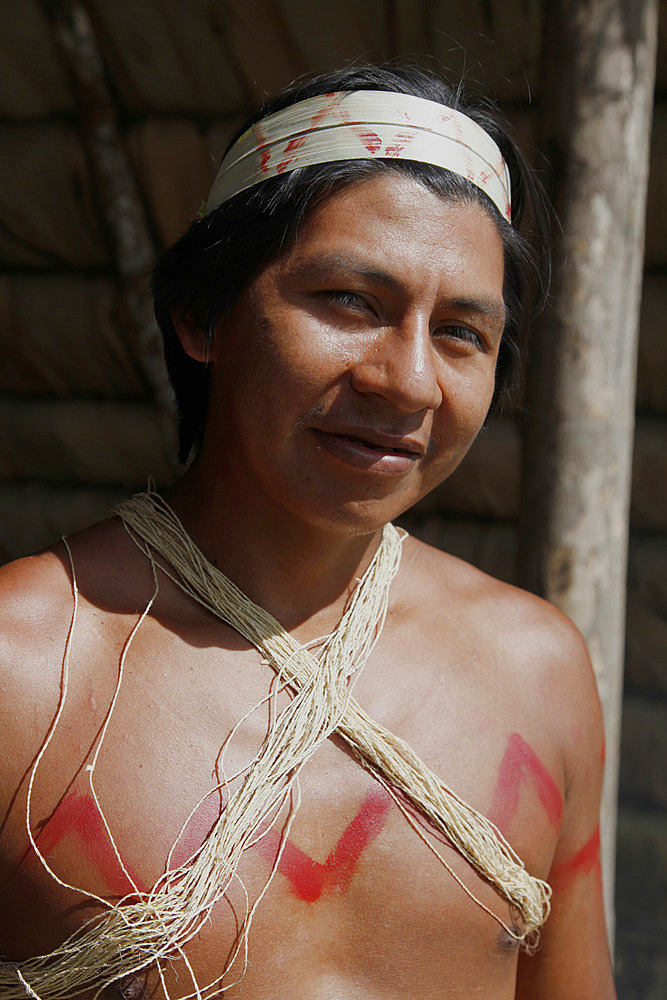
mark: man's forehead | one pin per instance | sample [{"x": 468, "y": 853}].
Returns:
[{"x": 390, "y": 230}]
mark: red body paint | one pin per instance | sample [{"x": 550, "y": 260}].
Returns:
[
  {"x": 78, "y": 815},
  {"x": 521, "y": 761},
  {"x": 587, "y": 858},
  {"x": 309, "y": 879}
]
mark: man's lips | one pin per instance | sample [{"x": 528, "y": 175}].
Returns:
[
  {"x": 386, "y": 454},
  {"x": 379, "y": 440},
  {"x": 384, "y": 446}
]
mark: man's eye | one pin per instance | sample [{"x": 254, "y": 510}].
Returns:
[
  {"x": 344, "y": 298},
  {"x": 460, "y": 333}
]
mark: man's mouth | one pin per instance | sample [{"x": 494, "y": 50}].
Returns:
[
  {"x": 383, "y": 449},
  {"x": 373, "y": 452}
]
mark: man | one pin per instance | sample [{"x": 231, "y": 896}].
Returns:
[{"x": 198, "y": 798}]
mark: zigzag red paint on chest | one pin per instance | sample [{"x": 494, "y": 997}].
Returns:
[
  {"x": 78, "y": 815},
  {"x": 310, "y": 879}
]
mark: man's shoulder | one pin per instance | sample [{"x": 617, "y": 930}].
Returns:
[
  {"x": 525, "y": 633},
  {"x": 35, "y": 613},
  {"x": 37, "y": 589},
  {"x": 37, "y": 608},
  {"x": 526, "y": 661},
  {"x": 443, "y": 573},
  {"x": 37, "y": 596},
  {"x": 35, "y": 592}
]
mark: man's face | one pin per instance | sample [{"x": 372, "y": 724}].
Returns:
[{"x": 356, "y": 370}]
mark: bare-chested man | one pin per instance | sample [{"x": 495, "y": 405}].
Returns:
[{"x": 337, "y": 328}]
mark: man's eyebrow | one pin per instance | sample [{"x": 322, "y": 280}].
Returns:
[
  {"x": 487, "y": 307},
  {"x": 318, "y": 267}
]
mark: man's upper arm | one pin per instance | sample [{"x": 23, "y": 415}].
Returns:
[
  {"x": 572, "y": 962},
  {"x": 35, "y": 612}
]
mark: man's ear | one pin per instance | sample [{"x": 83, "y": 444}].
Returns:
[{"x": 191, "y": 335}]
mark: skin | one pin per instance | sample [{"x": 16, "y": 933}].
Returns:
[{"x": 350, "y": 379}]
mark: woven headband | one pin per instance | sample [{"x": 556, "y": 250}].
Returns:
[{"x": 363, "y": 125}]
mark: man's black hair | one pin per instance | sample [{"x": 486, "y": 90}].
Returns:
[{"x": 206, "y": 271}]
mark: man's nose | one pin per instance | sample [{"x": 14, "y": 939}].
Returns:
[{"x": 400, "y": 365}]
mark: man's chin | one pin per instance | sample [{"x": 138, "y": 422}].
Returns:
[{"x": 363, "y": 516}]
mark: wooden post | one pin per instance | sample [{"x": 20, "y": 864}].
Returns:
[
  {"x": 124, "y": 213},
  {"x": 597, "y": 97}
]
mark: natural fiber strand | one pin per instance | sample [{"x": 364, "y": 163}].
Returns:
[{"x": 91, "y": 767}]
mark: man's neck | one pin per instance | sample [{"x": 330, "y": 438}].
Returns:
[{"x": 298, "y": 572}]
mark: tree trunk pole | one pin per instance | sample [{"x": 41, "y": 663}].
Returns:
[
  {"x": 124, "y": 213},
  {"x": 597, "y": 98}
]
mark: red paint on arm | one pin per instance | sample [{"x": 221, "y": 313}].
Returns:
[
  {"x": 521, "y": 761},
  {"x": 79, "y": 816},
  {"x": 585, "y": 860},
  {"x": 309, "y": 878}
]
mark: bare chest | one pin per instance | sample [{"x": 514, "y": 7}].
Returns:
[{"x": 344, "y": 893}]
